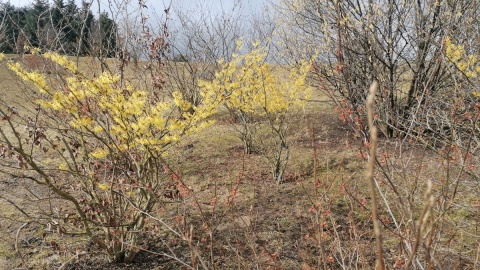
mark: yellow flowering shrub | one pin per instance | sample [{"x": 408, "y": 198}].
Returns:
[
  {"x": 468, "y": 64},
  {"x": 106, "y": 140},
  {"x": 254, "y": 93},
  {"x": 106, "y": 108},
  {"x": 249, "y": 83}
]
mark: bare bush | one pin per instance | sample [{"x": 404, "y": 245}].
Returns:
[{"x": 397, "y": 44}]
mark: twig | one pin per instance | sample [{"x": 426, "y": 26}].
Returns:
[
  {"x": 65, "y": 264},
  {"x": 430, "y": 199},
  {"x": 17, "y": 250},
  {"x": 371, "y": 165}
]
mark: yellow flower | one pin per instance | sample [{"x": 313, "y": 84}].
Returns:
[
  {"x": 61, "y": 60},
  {"x": 103, "y": 186},
  {"x": 468, "y": 64},
  {"x": 35, "y": 51},
  {"x": 99, "y": 153},
  {"x": 97, "y": 129},
  {"x": 63, "y": 166},
  {"x": 117, "y": 114},
  {"x": 254, "y": 87},
  {"x": 33, "y": 77}
]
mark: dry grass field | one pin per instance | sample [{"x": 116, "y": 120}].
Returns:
[{"x": 319, "y": 218}]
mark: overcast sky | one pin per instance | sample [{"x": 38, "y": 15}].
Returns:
[{"x": 249, "y": 6}]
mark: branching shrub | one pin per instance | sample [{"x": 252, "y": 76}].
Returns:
[
  {"x": 99, "y": 144},
  {"x": 398, "y": 44},
  {"x": 255, "y": 95}
]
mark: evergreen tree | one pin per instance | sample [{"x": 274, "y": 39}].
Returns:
[
  {"x": 85, "y": 21},
  {"x": 57, "y": 14},
  {"x": 72, "y": 27},
  {"x": 6, "y": 28},
  {"x": 57, "y": 24},
  {"x": 36, "y": 18},
  {"x": 61, "y": 26},
  {"x": 14, "y": 21},
  {"x": 108, "y": 35}
]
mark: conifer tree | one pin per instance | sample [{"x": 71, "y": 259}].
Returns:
[
  {"x": 108, "y": 38},
  {"x": 36, "y": 18}
]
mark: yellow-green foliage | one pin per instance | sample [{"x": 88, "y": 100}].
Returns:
[
  {"x": 107, "y": 108},
  {"x": 248, "y": 83}
]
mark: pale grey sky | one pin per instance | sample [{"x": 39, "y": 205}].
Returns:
[
  {"x": 158, "y": 5},
  {"x": 124, "y": 13}
]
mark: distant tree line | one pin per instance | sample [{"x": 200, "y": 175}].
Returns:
[{"x": 61, "y": 26}]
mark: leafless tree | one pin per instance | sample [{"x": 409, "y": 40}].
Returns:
[
  {"x": 198, "y": 42},
  {"x": 3, "y": 21},
  {"x": 422, "y": 97},
  {"x": 398, "y": 43}
]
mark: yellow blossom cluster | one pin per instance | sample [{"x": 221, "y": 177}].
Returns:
[
  {"x": 249, "y": 83},
  {"x": 468, "y": 64},
  {"x": 62, "y": 61},
  {"x": 119, "y": 115},
  {"x": 34, "y": 77}
]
